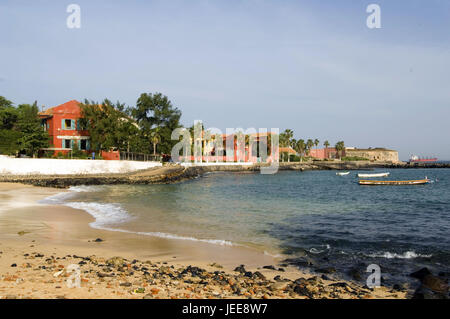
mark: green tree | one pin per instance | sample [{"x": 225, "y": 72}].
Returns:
[
  {"x": 8, "y": 134},
  {"x": 326, "y": 144},
  {"x": 8, "y": 114},
  {"x": 340, "y": 146},
  {"x": 155, "y": 137},
  {"x": 300, "y": 147},
  {"x": 110, "y": 127},
  {"x": 33, "y": 137},
  {"x": 285, "y": 139},
  {"x": 309, "y": 145},
  {"x": 316, "y": 142},
  {"x": 156, "y": 110}
]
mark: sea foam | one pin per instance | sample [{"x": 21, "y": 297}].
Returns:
[
  {"x": 406, "y": 255},
  {"x": 104, "y": 214},
  {"x": 107, "y": 214}
]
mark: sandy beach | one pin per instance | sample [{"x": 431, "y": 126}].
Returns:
[{"x": 38, "y": 243}]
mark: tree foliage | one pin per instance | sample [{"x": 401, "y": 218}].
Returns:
[
  {"x": 20, "y": 129},
  {"x": 156, "y": 111},
  {"x": 33, "y": 137},
  {"x": 110, "y": 127},
  {"x": 340, "y": 147}
]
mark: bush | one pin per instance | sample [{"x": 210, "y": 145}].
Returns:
[
  {"x": 8, "y": 142},
  {"x": 353, "y": 158}
]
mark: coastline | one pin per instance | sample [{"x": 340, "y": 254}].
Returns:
[
  {"x": 54, "y": 232},
  {"x": 172, "y": 173}
]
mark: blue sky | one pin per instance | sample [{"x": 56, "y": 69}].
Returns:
[{"x": 312, "y": 66}]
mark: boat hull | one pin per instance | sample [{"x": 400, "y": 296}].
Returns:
[
  {"x": 410, "y": 182},
  {"x": 373, "y": 175},
  {"x": 426, "y": 160},
  {"x": 343, "y": 174}
]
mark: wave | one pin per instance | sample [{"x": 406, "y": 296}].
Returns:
[
  {"x": 318, "y": 251},
  {"x": 104, "y": 214},
  {"x": 61, "y": 198},
  {"x": 107, "y": 214},
  {"x": 406, "y": 255},
  {"x": 85, "y": 188},
  {"x": 272, "y": 255},
  {"x": 172, "y": 236},
  {"x": 57, "y": 199}
]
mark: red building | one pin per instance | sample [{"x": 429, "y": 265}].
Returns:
[
  {"x": 63, "y": 125},
  {"x": 324, "y": 153}
]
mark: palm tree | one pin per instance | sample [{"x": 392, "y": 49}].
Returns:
[
  {"x": 300, "y": 148},
  {"x": 285, "y": 139},
  {"x": 155, "y": 138},
  {"x": 292, "y": 144},
  {"x": 340, "y": 146},
  {"x": 316, "y": 142},
  {"x": 309, "y": 145},
  {"x": 326, "y": 144},
  {"x": 289, "y": 135}
]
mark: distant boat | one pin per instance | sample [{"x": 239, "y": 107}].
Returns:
[
  {"x": 410, "y": 182},
  {"x": 417, "y": 159},
  {"x": 373, "y": 175},
  {"x": 342, "y": 173}
]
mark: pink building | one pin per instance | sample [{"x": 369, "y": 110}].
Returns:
[{"x": 323, "y": 153}]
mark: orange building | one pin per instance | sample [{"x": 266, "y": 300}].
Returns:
[{"x": 64, "y": 127}]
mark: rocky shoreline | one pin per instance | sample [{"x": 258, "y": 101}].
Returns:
[
  {"x": 35, "y": 275},
  {"x": 175, "y": 173}
]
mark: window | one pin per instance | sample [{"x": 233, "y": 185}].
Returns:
[
  {"x": 68, "y": 124},
  {"x": 67, "y": 144},
  {"x": 83, "y": 145}
]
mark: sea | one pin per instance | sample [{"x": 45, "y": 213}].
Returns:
[{"x": 312, "y": 219}]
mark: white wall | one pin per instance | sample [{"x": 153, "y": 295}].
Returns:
[
  {"x": 218, "y": 164},
  {"x": 44, "y": 166}
]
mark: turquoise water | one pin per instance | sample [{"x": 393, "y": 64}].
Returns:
[{"x": 318, "y": 215}]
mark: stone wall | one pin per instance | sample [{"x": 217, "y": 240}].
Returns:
[{"x": 376, "y": 154}]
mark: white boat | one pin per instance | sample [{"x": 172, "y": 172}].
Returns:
[
  {"x": 373, "y": 175},
  {"x": 342, "y": 173}
]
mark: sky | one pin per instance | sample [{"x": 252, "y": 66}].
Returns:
[{"x": 311, "y": 66}]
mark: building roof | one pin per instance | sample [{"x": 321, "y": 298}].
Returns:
[
  {"x": 50, "y": 111},
  {"x": 287, "y": 150}
]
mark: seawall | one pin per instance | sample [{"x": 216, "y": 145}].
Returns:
[
  {"x": 47, "y": 166},
  {"x": 172, "y": 173}
]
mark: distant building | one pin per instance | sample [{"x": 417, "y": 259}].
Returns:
[
  {"x": 63, "y": 125},
  {"x": 378, "y": 154},
  {"x": 237, "y": 153},
  {"x": 324, "y": 153}
]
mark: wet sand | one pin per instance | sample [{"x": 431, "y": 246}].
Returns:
[{"x": 38, "y": 241}]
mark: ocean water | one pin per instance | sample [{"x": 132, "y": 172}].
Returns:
[{"x": 317, "y": 216}]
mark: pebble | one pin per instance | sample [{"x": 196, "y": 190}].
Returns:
[
  {"x": 269, "y": 267},
  {"x": 156, "y": 281}
]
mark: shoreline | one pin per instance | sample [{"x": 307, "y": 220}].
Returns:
[
  {"x": 172, "y": 173},
  {"x": 178, "y": 269}
]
